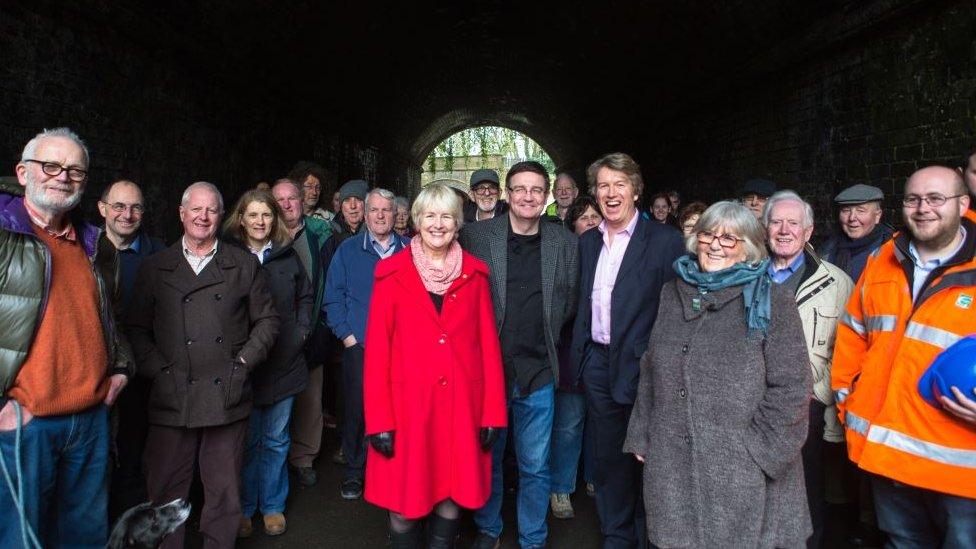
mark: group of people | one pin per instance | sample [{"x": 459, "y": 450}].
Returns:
[{"x": 703, "y": 362}]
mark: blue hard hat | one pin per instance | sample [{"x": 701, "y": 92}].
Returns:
[{"x": 954, "y": 367}]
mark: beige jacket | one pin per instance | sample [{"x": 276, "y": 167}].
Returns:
[{"x": 821, "y": 299}]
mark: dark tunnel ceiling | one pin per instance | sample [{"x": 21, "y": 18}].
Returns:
[{"x": 403, "y": 75}]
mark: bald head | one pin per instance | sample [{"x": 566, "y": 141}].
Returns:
[{"x": 950, "y": 179}]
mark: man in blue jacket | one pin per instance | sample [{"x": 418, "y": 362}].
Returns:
[
  {"x": 623, "y": 265},
  {"x": 348, "y": 287}
]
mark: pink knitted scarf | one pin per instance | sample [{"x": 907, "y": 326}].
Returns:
[{"x": 436, "y": 279}]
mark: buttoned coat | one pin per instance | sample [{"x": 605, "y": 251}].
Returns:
[
  {"x": 720, "y": 418},
  {"x": 435, "y": 379},
  {"x": 645, "y": 267},
  {"x": 559, "y": 251},
  {"x": 198, "y": 337}
]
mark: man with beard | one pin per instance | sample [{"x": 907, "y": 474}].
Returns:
[
  {"x": 819, "y": 287},
  {"x": 913, "y": 300},
  {"x": 485, "y": 191},
  {"x": 862, "y": 231},
  {"x": 564, "y": 192},
  {"x": 62, "y": 365},
  {"x": 122, "y": 207}
]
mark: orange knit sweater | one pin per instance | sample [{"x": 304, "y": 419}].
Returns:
[{"x": 67, "y": 364}]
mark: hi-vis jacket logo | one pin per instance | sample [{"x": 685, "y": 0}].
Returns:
[{"x": 964, "y": 301}]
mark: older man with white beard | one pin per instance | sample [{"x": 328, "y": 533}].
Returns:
[
  {"x": 485, "y": 192},
  {"x": 61, "y": 365},
  {"x": 821, "y": 291}
]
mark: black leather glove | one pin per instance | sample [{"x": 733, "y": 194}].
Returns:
[
  {"x": 383, "y": 443},
  {"x": 488, "y": 437}
]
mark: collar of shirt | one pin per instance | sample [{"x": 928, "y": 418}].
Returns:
[
  {"x": 628, "y": 230},
  {"x": 263, "y": 253},
  {"x": 779, "y": 276},
  {"x": 189, "y": 254},
  {"x": 932, "y": 264},
  {"x": 383, "y": 251},
  {"x": 67, "y": 233}
]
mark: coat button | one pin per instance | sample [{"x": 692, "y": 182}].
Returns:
[
  {"x": 219, "y": 339},
  {"x": 217, "y": 297},
  {"x": 464, "y": 276},
  {"x": 453, "y": 297},
  {"x": 189, "y": 341},
  {"x": 217, "y": 381},
  {"x": 442, "y": 381},
  {"x": 441, "y": 341},
  {"x": 682, "y": 393},
  {"x": 187, "y": 299},
  {"x": 684, "y": 350},
  {"x": 688, "y": 440},
  {"x": 192, "y": 381}
]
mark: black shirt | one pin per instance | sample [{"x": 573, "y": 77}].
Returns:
[{"x": 523, "y": 338}]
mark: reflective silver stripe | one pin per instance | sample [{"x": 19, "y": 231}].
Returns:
[
  {"x": 856, "y": 423},
  {"x": 853, "y": 324},
  {"x": 881, "y": 323},
  {"x": 840, "y": 395},
  {"x": 932, "y": 336},
  {"x": 921, "y": 448}
]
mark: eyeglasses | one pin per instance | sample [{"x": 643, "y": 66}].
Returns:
[
  {"x": 119, "y": 207},
  {"x": 312, "y": 187},
  {"x": 485, "y": 190},
  {"x": 935, "y": 200},
  {"x": 724, "y": 240},
  {"x": 54, "y": 169},
  {"x": 522, "y": 191}
]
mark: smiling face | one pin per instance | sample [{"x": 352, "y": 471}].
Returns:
[
  {"x": 124, "y": 224},
  {"x": 564, "y": 191},
  {"x": 352, "y": 211},
  {"x": 201, "y": 214},
  {"x": 785, "y": 232},
  {"x": 714, "y": 257},
  {"x": 616, "y": 196},
  {"x": 379, "y": 215},
  {"x": 935, "y": 227},
  {"x": 257, "y": 220},
  {"x": 526, "y": 196},
  {"x": 858, "y": 220},
  {"x": 289, "y": 199},
  {"x": 402, "y": 218},
  {"x": 688, "y": 226},
  {"x": 587, "y": 220},
  {"x": 437, "y": 229},
  {"x": 660, "y": 209},
  {"x": 54, "y": 194},
  {"x": 485, "y": 195}
]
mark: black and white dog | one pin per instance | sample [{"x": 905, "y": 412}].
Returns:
[{"x": 145, "y": 526}]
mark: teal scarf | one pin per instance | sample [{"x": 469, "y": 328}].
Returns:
[{"x": 755, "y": 292}]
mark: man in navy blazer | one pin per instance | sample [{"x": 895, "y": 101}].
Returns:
[{"x": 623, "y": 265}]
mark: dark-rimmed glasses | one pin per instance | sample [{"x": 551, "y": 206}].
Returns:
[
  {"x": 724, "y": 240},
  {"x": 119, "y": 207},
  {"x": 54, "y": 169}
]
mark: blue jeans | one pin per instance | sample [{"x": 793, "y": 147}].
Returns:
[
  {"x": 531, "y": 418},
  {"x": 264, "y": 479},
  {"x": 64, "y": 461},
  {"x": 567, "y": 442},
  {"x": 919, "y": 518}
]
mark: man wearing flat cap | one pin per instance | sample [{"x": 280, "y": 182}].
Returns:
[
  {"x": 485, "y": 202},
  {"x": 862, "y": 231},
  {"x": 754, "y": 194}
]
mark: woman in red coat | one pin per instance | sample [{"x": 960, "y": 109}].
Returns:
[{"x": 434, "y": 391}]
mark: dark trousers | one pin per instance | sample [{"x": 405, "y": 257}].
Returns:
[
  {"x": 172, "y": 452},
  {"x": 353, "y": 417},
  {"x": 916, "y": 518},
  {"x": 616, "y": 475},
  {"x": 813, "y": 472},
  {"x": 128, "y": 481}
]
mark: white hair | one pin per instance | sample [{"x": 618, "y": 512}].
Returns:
[
  {"x": 31, "y": 148},
  {"x": 203, "y": 185},
  {"x": 737, "y": 219},
  {"x": 787, "y": 196},
  {"x": 382, "y": 193},
  {"x": 437, "y": 197}
]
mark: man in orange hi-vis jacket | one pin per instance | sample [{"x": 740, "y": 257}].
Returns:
[{"x": 916, "y": 297}]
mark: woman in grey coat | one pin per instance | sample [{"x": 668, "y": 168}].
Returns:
[{"x": 721, "y": 411}]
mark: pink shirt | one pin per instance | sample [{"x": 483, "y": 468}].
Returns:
[{"x": 607, "y": 267}]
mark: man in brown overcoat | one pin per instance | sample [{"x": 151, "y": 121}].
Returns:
[{"x": 201, "y": 319}]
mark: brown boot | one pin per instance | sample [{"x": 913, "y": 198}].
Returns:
[
  {"x": 274, "y": 524},
  {"x": 244, "y": 528}
]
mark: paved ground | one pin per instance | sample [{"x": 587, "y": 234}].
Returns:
[{"x": 318, "y": 517}]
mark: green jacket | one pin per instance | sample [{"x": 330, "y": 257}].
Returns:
[
  {"x": 318, "y": 232},
  {"x": 25, "y": 278}
]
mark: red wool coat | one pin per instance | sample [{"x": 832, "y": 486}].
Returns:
[{"x": 435, "y": 380}]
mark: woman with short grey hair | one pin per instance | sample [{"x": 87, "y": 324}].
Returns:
[{"x": 721, "y": 410}]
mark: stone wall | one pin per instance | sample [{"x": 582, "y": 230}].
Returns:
[{"x": 871, "y": 107}]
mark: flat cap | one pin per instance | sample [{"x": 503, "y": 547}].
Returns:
[
  {"x": 859, "y": 194},
  {"x": 762, "y": 187},
  {"x": 353, "y": 188},
  {"x": 483, "y": 175}
]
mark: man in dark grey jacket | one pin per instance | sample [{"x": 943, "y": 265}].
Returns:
[
  {"x": 534, "y": 276},
  {"x": 200, "y": 321}
]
